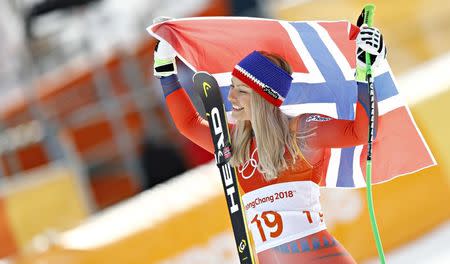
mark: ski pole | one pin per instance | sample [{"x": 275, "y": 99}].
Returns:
[{"x": 369, "y": 11}]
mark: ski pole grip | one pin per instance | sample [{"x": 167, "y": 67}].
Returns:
[{"x": 369, "y": 11}]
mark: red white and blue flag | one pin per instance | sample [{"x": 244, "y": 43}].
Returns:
[{"x": 322, "y": 56}]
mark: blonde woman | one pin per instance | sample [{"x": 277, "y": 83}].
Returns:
[{"x": 280, "y": 160}]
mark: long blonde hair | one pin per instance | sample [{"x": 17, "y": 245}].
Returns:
[{"x": 271, "y": 130}]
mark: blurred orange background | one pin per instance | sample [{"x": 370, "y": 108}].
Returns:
[{"x": 81, "y": 112}]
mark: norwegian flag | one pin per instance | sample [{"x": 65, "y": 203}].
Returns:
[{"x": 322, "y": 56}]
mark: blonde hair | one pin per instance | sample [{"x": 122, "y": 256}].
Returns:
[{"x": 271, "y": 130}]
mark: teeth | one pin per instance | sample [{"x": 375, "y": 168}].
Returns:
[{"x": 237, "y": 108}]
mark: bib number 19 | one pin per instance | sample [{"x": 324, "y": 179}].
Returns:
[{"x": 272, "y": 220}]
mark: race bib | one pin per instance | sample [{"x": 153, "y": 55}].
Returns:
[{"x": 283, "y": 212}]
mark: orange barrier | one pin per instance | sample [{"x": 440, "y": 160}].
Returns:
[
  {"x": 8, "y": 243},
  {"x": 112, "y": 189},
  {"x": 45, "y": 198}
]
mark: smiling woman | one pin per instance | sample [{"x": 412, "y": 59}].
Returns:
[
  {"x": 276, "y": 156},
  {"x": 265, "y": 117}
]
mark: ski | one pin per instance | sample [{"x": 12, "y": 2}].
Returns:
[{"x": 207, "y": 88}]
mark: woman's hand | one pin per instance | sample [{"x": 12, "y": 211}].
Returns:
[
  {"x": 370, "y": 40},
  {"x": 164, "y": 56}
]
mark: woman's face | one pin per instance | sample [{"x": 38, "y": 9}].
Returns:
[{"x": 239, "y": 96}]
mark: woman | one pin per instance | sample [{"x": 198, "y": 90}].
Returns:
[{"x": 280, "y": 160}]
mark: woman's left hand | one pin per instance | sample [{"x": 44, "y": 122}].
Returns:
[{"x": 370, "y": 40}]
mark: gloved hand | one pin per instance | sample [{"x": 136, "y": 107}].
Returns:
[
  {"x": 164, "y": 56},
  {"x": 368, "y": 40}
]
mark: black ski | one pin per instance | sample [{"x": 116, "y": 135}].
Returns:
[{"x": 207, "y": 88}]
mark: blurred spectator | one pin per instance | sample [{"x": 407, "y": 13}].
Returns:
[
  {"x": 161, "y": 162},
  {"x": 251, "y": 8}
]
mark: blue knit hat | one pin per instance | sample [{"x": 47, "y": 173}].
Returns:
[{"x": 264, "y": 77}]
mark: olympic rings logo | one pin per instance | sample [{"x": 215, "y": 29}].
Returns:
[{"x": 251, "y": 161}]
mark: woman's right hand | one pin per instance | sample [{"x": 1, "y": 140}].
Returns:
[{"x": 164, "y": 56}]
